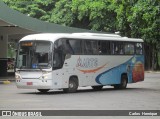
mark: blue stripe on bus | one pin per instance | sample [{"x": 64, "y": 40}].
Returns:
[{"x": 113, "y": 75}]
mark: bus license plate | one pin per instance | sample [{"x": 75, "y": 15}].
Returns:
[{"x": 29, "y": 83}]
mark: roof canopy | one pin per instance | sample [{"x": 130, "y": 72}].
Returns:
[{"x": 16, "y": 22}]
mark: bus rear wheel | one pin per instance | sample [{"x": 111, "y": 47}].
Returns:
[
  {"x": 97, "y": 87},
  {"x": 43, "y": 90},
  {"x": 72, "y": 86},
  {"x": 123, "y": 84}
]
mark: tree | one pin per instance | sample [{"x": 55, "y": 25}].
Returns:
[
  {"x": 39, "y": 9},
  {"x": 88, "y": 14},
  {"x": 62, "y": 13},
  {"x": 133, "y": 18},
  {"x": 145, "y": 24},
  {"x": 140, "y": 19},
  {"x": 123, "y": 10}
]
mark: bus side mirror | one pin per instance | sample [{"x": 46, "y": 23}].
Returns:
[{"x": 68, "y": 56}]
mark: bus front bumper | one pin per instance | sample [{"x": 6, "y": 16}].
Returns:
[{"x": 34, "y": 84}]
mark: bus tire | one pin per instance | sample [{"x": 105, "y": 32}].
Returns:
[
  {"x": 123, "y": 84},
  {"x": 96, "y": 88},
  {"x": 43, "y": 90},
  {"x": 72, "y": 86}
]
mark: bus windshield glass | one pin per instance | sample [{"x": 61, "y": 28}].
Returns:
[{"x": 34, "y": 55}]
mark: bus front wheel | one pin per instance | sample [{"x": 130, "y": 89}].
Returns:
[
  {"x": 123, "y": 84},
  {"x": 43, "y": 90},
  {"x": 72, "y": 86}
]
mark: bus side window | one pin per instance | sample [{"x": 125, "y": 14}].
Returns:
[
  {"x": 87, "y": 47},
  {"x": 58, "y": 56},
  {"x": 121, "y": 48},
  {"x": 94, "y": 47},
  {"x": 76, "y": 46},
  {"x": 91, "y": 47},
  {"x": 104, "y": 47},
  {"x": 57, "y": 61},
  {"x": 117, "y": 48},
  {"x": 67, "y": 49},
  {"x": 139, "y": 48},
  {"x": 129, "y": 48}
]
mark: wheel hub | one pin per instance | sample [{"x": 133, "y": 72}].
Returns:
[{"x": 71, "y": 85}]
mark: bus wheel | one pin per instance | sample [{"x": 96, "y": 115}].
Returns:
[
  {"x": 97, "y": 87},
  {"x": 72, "y": 86},
  {"x": 43, "y": 90},
  {"x": 123, "y": 84}
]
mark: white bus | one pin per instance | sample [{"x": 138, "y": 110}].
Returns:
[{"x": 68, "y": 61}]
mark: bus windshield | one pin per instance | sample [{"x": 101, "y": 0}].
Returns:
[{"x": 34, "y": 55}]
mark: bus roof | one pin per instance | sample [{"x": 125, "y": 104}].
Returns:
[{"x": 90, "y": 36}]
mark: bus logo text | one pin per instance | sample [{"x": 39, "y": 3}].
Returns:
[{"x": 87, "y": 62}]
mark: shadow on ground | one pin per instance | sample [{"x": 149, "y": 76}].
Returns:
[{"x": 60, "y": 92}]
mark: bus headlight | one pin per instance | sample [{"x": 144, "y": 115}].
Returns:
[
  {"x": 17, "y": 77},
  {"x": 44, "y": 77}
]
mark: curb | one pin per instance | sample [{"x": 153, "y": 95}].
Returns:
[
  {"x": 5, "y": 82},
  {"x": 154, "y": 72}
]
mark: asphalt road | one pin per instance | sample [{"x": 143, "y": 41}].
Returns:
[{"x": 138, "y": 96}]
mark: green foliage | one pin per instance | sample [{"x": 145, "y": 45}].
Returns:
[
  {"x": 62, "y": 13},
  {"x": 145, "y": 21},
  {"x": 133, "y": 18},
  {"x": 39, "y": 9},
  {"x": 123, "y": 10},
  {"x": 89, "y": 14},
  {"x": 141, "y": 19},
  {"x": 98, "y": 14}
]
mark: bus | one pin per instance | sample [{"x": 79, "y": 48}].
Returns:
[{"x": 66, "y": 61}]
